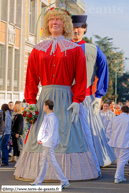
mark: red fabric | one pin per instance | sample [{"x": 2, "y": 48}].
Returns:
[
  {"x": 81, "y": 42},
  {"x": 27, "y": 135},
  {"x": 42, "y": 66},
  {"x": 89, "y": 91},
  {"x": 92, "y": 89}
]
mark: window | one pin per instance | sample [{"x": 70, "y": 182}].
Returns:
[
  {"x": 62, "y": 4},
  {"x": 11, "y": 11},
  {"x": 4, "y": 10},
  {"x": 16, "y": 70},
  {"x": 18, "y": 13},
  {"x": 2, "y": 67},
  {"x": 32, "y": 17},
  {"x": 9, "y": 68}
]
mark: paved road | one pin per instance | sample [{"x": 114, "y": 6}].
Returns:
[{"x": 103, "y": 185}]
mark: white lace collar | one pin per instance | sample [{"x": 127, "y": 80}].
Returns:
[{"x": 61, "y": 41}]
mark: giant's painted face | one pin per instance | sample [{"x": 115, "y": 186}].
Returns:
[
  {"x": 78, "y": 33},
  {"x": 56, "y": 26}
]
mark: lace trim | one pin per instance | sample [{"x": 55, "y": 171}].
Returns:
[
  {"x": 67, "y": 45},
  {"x": 43, "y": 46},
  {"x": 63, "y": 44}
]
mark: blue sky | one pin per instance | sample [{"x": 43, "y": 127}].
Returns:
[{"x": 110, "y": 18}]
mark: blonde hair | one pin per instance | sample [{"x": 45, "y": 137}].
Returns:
[
  {"x": 67, "y": 21},
  {"x": 18, "y": 108}
]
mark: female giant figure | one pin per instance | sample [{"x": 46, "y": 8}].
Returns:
[{"x": 56, "y": 63}]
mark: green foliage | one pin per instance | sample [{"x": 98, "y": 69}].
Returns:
[
  {"x": 114, "y": 61},
  {"x": 30, "y": 115},
  {"x": 123, "y": 87},
  {"x": 87, "y": 40}
]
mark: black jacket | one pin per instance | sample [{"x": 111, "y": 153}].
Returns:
[{"x": 17, "y": 124}]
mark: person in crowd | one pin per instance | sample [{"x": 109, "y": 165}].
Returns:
[
  {"x": 6, "y": 135},
  {"x": 22, "y": 108},
  {"x": 24, "y": 103},
  {"x": 112, "y": 105},
  {"x": 118, "y": 134},
  {"x": 120, "y": 103},
  {"x": 106, "y": 114},
  {"x": 117, "y": 110},
  {"x": 96, "y": 64},
  {"x": 48, "y": 137},
  {"x": 2, "y": 126},
  {"x": 11, "y": 107},
  {"x": 16, "y": 130},
  {"x": 19, "y": 102},
  {"x": 124, "y": 103},
  {"x": 66, "y": 63},
  {"x": 127, "y": 103}
]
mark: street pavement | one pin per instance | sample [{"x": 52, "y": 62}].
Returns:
[{"x": 103, "y": 185}]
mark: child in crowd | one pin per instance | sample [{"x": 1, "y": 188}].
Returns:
[
  {"x": 48, "y": 137},
  {"x": 118, "y": 110},
  {"x": 106, "y": 114}
]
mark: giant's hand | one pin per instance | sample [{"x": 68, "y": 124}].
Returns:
[
  {"x": 75, "y": 113},
  {"x": 96, "y": 103}
]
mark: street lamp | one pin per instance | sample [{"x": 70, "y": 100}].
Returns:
[
  {"x": 116, "y": 86},
  {"x": 116, "y": 70}
]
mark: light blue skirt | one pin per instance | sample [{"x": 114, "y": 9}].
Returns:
[
  {"x": 104, "y": 152},
  {"x": 72, "y": 154},
  {"x": 72, "y": 138}
]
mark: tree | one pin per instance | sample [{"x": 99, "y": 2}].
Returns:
[
  {"x": 114, "y": 61},
  {"x": 123, "y": 87},
  {"x": 87, "y": 40}
]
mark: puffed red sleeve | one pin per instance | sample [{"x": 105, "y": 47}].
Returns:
[
  {"x": 79, "y": 88},
  {"x": 32, "y": 78}
]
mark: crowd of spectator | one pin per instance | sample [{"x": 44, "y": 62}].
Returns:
[
  {"x": 109, "y": 110},
  {"x": 11, "y": 130},
  {"x": 12, "y": 126}
]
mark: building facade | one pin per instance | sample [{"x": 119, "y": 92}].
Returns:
[{"x": 18, "y": 35}]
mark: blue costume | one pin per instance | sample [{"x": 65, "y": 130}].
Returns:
[
  {"x": 96, "y": 60},
  {"x": 96, "y": 64},
  {"x": 101, "y": 73}
]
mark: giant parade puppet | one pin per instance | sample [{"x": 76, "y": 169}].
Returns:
[
  {"x": 96, "y": 64},
  {"x": 55, "y": 63}
]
